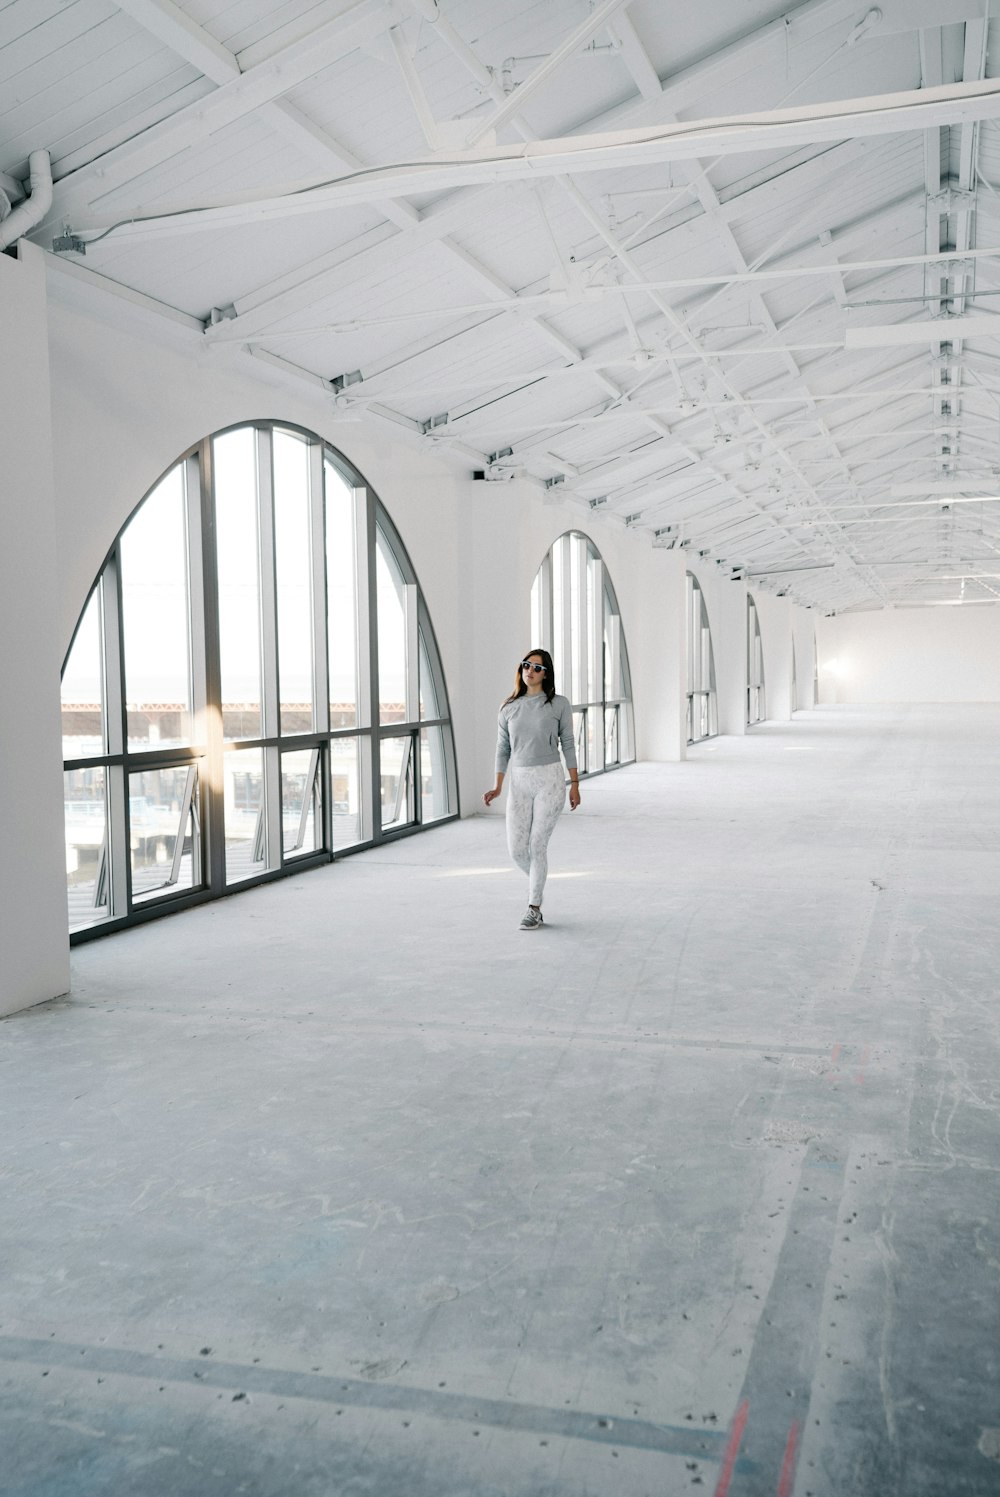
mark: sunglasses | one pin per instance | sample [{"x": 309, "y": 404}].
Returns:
[{"x": 529, "y": 665}]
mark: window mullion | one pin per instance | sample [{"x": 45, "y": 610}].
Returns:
[
  {"x": 317, "y": 526},
  {"x": 366, "y": 570},
  {"x": 206, "y": 667},
  {"x": 119, "y": 829},
  {"x": 268, "y": 587},
  {"x": 412, "y": 652},
  {"x": 270, "y": 696}
]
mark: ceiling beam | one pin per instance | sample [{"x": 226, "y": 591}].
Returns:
[
  {"x": 166, "y": 21},
  {"x": 912, "y": 109},
  {"x": 241, "y": 96},
  {"x": 518, "y": 97}
]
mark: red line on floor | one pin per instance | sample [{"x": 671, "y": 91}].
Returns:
[
  {"x": 788, "y": 1464},
  {"x": 732, "y": 1447},
  {"x": 835, "y": 1053}
]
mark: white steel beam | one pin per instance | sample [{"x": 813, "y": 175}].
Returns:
[
  {"x": 166, "y": 21},
  {"x": 415, "y": 88},
  {"x": 913, "y": 109},
  {"x": 635, "y": 56},
  {"x": 516, "y": 100},
  {"x": 360, "y": 20},
  {"x": 925, "y": 332}
]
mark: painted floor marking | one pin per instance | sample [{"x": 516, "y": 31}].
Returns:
[
  {"x": 787, "y": 1477},
  {"x": 603, "y": 1429},
  {"x": 732, "y": 1449}
]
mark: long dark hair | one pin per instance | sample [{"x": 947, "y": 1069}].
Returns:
[{"x": 548, "y": 680}]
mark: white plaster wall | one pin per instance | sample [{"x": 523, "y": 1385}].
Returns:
[
  {"x": 34, "y": 947},
  {"x": 727, "y": 612},
  {"x": 126, "y": 407},
  {"x": 803, "y": 642},
  {"x": 943, "y": 654},
  {"x": 775, "y": 618},
  {"x": 659, "y": 658}
]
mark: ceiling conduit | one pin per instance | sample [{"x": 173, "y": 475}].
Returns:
[{"x": 31, "y": 212}]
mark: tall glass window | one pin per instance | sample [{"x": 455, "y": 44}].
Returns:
[
  {"x": 234, "y": 469},
  {"x": 575, "y": 615},
  {"x": 756, "y": 709},
  {"x": 253, "y": 686},
  {"x": 702, "y": 703}
]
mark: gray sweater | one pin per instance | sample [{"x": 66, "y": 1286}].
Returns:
[{"x": 530, "y": 730}]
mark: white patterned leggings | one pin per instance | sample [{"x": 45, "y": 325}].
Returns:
[{"x": 537, "y": 796}]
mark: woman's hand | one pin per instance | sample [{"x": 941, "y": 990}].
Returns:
[
  {"x": 574, "y": 795},
  {"x": 491, "y": 795}
]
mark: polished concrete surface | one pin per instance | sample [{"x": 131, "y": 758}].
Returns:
[{"x": 346, "y": 1186}]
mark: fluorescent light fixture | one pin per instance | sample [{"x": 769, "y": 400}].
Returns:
[{"x": 904, "y": 334}]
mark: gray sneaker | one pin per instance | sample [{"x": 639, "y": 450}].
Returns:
[{"x": 531, "y": 919}]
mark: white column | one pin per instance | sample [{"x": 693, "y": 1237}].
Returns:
[
  {"x": 729, "y": 640},
  {"x": 804, "y": 641},
  {"x": 33, "y": 916},
  {"x": 775, "y": 616},
  {"x": 658, "y": 657}
]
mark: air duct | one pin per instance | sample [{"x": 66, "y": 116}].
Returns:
[{"x": 31, "y": 212}]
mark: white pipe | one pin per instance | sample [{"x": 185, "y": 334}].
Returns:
[{"x": 34, "y": 208}]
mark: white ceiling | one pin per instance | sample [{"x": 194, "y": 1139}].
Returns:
[{"x": 635, "y": 283}]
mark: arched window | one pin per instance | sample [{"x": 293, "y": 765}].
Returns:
[
  {"x": 253, "y": 686},
  {"x": 574, "y": 614},
  {"x": 702, "y": 705},
  {"x": 755, "y": 667}
]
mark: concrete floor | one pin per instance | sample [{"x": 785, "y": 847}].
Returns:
[{"x": 346, "y": 1186}]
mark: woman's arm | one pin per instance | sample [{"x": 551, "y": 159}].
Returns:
[
  {"x": 567, "y": 742},
  {"x": 503, "y": 758},
  {"x": 491, "y": 795}
]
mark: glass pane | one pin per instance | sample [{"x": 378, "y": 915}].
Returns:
[
  {"x": 611, "y": 734},
  {"x": 429, "y": 704},
  {"x": 578, "y": 598},
  {"x": 293, "y": 575},
  {"x": 342, "y": 608},
  {"x": 538, "y": 630},
  {"x": 397, "y": 782},
  {"x": 301, "y": 810},
  {"x": 164, "y": 821},
  {"x": 235, "y": 467},
  {"x": 595, "y": 740},
  {"x": 613, "y": 685},
  {"x": 434, "y": 800},
  {"x": 246, "y": 821},
  {"x": 560, "y": 603},
  {"x": 594, "y": 684},
  {"x": 87, "y": 862},
  {"x": 155, "y": 618},
  {"x": 345, "y": 782},
  {"x": 580, "y": 739},
  {"x": 391, "y": 636},
  {"x": 83, "y": 687}
]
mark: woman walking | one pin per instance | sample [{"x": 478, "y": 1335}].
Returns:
[{"x": 533, "y": 723}]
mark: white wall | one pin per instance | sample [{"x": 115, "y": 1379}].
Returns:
[
  {"x": 804, "y": 645},
  {"x": 942, "y": 654},
  {"x": 125, "y": 409},
  {"x": 774, "y": 616},
  {"x": 34, "y": 947},
  {"x": 118, "y": 401}
]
